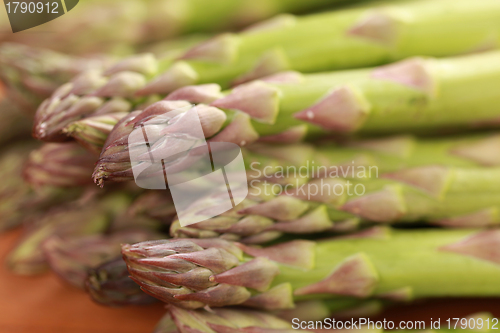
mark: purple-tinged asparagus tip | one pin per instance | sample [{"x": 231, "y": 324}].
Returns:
[
  {"x": 343, "y": 110},
  {"x": 257, "y": 99},
  {"x": 271, "y": 62},
  {"x": 122, "y": 84},
  {"x": 376, "y": 26},
  {"x": 356, "y": 276},
  {"x": 220, "y": 49},
  {"x": 484, "y": 245},
  {"x": 383, "y": 206},
  {"x": 432, "y": 179},
  {"x": 484, "y": 151},
  {"x": 239, "y": 131},
  {"x": 203, "y": 93},
  {"x": 414, "y": 73},
  {"x": 282, "y": 208}
]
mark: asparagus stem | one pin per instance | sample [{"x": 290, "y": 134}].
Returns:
[
  {"x": 446, "y": 196},
  {"x": 72, "y": 219},
  {"x": 193, "y": 273},
  {"x": 60, "y": 165},
  {"x": 356, "y": 37}
]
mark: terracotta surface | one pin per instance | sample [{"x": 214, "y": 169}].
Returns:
[{"x": 43, "y": 304}]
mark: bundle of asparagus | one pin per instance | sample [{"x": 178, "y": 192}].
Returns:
[
  {"x": 381, "y": 263},
  {"x": 417, "y": 67}
]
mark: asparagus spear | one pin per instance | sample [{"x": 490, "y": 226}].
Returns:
[
  {"x": 108, "y": 284},
  {"x": 72, "y": 219},
  {"x": 193, "y": 273},
  {"x": 71, "y": 257},
  {"x": 60, "y": 165},
  {"x": 415, "y": 94},
  {"x": 136, "y": 22},
  {"x": 358, "y": 37},
  {"x": 446, "y": 196},
  {"x": 389, "y": 155}
]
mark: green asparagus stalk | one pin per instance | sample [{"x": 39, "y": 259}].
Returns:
[
  {"x": 387, "y": 154},
  {"x": 108, "y": 284},
  {"x": 445, "y": 196},
  {"x": 415, "y": 94},
  {"x": 60, "y": 165},
  {"x": 350, "y": 38},
  {"x": 193, "y": 273},
  {"x": 72, "y": 219},
  {"x": 71, "y": 257},
  {"x": 135, "y": 22}
]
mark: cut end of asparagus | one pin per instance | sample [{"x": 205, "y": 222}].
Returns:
[
  {"x": 343, "y": 110},
  {"x": 179, "y": 75},
  {"x": 384, "y": 206},
  {"x": 204, "y": 93},
  {"x": 220, "y": 49},
  {"x": 378, "y": 27},
  {"x": 257, "y": 99},
  {"x": 414, "y": 73},
  {"x": 356, "y": 276}
]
